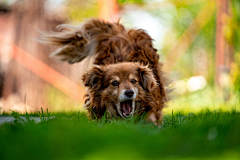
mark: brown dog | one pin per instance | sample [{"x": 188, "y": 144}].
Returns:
[{"x": 126, "y": 79}]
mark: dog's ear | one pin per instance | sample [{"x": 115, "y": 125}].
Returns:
[
  {"x": 79, "y": 42},
  {"x": 93, "y": 77},
  {"x": 74, "y": 44},
  {"x": 147, "y": 80}
]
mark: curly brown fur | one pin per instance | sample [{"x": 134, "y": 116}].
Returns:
[{"x": 127, "y": 77}]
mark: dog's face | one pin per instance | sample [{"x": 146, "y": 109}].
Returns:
[{"x": 119, "y": 87}]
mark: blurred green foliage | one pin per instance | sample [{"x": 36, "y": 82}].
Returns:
[
  {"x": 184, "y": 15},
  {"x": 80, "y": 10},
  {"x": 130, "y": 1},
  {"x": 235, "y": 41},
  {"x": 235, "y": 74},
  {"x": 203, "y": 47},
  {"x": 235, "y": 23},
  {"x": 209, "y": 98},
  {"x": 59, "y": 101}
]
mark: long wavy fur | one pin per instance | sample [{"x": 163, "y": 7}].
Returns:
[{"x": 110, "y": 43}]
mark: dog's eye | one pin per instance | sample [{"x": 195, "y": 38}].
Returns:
[
  {"x": 133, "y": 81},
  {"x": 115, "y": 83}
]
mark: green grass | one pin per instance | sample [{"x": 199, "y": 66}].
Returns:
[
  {"x": 209, "y": 98},
  {"x": 207, "y": 134}
]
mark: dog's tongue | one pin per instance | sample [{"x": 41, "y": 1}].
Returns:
[{"x": 126, "y": 107}]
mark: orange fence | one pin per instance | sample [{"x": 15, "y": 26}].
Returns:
[{"x": 48, "y": 74}]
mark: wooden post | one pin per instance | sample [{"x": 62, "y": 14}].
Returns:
[
  {"x": 222, "y": 7},
  {"x": 108, "y": 10}
]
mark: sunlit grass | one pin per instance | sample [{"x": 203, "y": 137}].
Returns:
[
  {"x": 208, "y": 98},
  {"x": 58, "y": 101}
]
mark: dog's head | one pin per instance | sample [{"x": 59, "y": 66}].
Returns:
[{"x": 118, "y": 87}]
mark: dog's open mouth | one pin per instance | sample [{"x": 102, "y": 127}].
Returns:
[{"x": 126, "y": 108}]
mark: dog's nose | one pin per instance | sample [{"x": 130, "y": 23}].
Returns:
[{"x": 129, "y": 93}]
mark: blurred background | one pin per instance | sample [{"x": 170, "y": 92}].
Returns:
[{"x": 198, "y": 42}]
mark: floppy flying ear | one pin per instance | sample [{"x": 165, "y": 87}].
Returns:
[
  {"x": 93, "y": 77},
  {"x": 79, "y": 42},
  {"x": 74, "y": 42},
  {"x": 147, "y": 79}
]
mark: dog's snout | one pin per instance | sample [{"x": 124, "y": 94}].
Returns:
[{"x": 129, "y": 93}]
